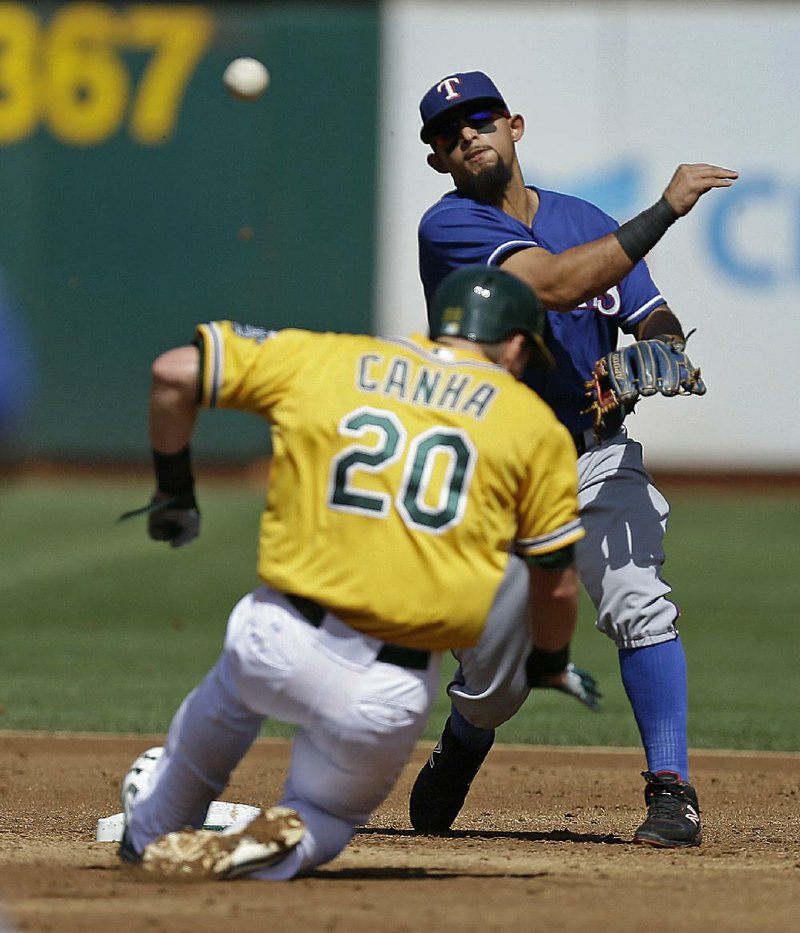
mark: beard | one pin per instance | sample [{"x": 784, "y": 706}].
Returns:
[{"x": 489, "y": 185}]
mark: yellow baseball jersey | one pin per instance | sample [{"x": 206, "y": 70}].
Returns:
[{"x": 403, "y": 474}]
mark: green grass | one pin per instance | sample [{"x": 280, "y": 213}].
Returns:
[{"x": 104, "y": 630}]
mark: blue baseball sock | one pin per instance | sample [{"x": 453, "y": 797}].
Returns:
[
  {"x": 655, "y": 681},
  {"x": 469, "y": 736}
]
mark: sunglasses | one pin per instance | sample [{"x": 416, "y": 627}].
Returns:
[{"x": 449, "y": 130}]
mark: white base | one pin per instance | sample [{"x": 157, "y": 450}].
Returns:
[{"x": 220, "y": 815}]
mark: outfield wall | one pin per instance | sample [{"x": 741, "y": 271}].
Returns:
[{"x": 138, "y": 198}]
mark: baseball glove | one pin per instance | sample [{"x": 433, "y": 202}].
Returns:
[{"x": 659, "y": 365}]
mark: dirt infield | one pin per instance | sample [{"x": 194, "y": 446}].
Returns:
[{"x": 542, "y": 845}]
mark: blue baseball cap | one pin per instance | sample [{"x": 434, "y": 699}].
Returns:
[{"x": 453, "y": 91}]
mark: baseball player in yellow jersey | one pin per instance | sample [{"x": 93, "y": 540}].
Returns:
[{"x": 404, "y": 473}]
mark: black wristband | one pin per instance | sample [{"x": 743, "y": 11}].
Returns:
[
  {"x": 174, "y": 472},
  {"x": 542, "y": 663},
  {"x": 640, "y": 234}
]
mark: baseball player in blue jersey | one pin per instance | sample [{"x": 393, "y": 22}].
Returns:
[{"x": 590, "y": 273}]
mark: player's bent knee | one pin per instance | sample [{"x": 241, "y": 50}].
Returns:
[{"x": 489, "y": 713}]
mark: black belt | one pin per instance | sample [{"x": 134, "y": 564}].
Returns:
[
  {"x": 579, "y": 440},
  {"x": 608, "y": 428},
  {"x": 413, "y": 658}
]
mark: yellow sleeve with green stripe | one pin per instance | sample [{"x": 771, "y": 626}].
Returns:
[{"x": 548, "y": 518}]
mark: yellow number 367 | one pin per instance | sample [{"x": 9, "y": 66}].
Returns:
[{"x": 70, "y": 74}]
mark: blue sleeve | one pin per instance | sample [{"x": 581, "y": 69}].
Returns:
[
  {"x": 565, "y": 221},
  {"x": 639, "y": 296},
  {"x": 457, "y": 231},
  {"x": 636, "y": 296},
  {"x": 454, "y": 233}
]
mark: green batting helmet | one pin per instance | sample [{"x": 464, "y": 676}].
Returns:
[{"x": 485, "y": 304}]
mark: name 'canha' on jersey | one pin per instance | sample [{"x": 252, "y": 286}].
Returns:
[{"x": 418, "y": 384}]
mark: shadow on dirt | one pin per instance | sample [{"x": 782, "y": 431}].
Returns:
[
  {"x": 554, "y": 835},
  {"x": 416, "y": 874}
]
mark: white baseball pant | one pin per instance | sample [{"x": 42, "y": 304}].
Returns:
[{"x": 357, "y": 720}]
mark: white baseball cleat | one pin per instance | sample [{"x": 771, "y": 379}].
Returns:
[
  {"x": 138, "y": 777},
  {"x": 205, "y": 854}
]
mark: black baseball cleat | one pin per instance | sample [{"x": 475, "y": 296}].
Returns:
[
  {"x": 126, "y": 851},
  {"x": 442, "y": 785},
  {"x": 673, "y": 814}
]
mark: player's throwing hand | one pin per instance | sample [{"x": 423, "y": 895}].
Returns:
[{"x": 690, "y": 182}]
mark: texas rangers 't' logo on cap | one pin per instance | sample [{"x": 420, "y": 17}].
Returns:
[
  {"x": 453, "y": 91},
  {"x": 447, "y": 86}
]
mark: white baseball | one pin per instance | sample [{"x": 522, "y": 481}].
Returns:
[{"x": 246, "y": 78}]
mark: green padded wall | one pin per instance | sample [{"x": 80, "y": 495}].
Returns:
[{"x": 139, "y": 198}]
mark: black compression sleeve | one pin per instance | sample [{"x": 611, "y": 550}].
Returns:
[{"x": 639, "y": 235}]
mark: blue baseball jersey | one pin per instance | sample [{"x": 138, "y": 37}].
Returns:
[{"x": 458, "y": 230}]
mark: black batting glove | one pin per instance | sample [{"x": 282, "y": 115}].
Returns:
[{"x": 176, "y": 519}]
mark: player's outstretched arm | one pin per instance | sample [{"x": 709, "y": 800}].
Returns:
[
  {"x": 172, "y": 415},
  {"x": 563, "y": 280},
  {"x": 172, "y": 513}
]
